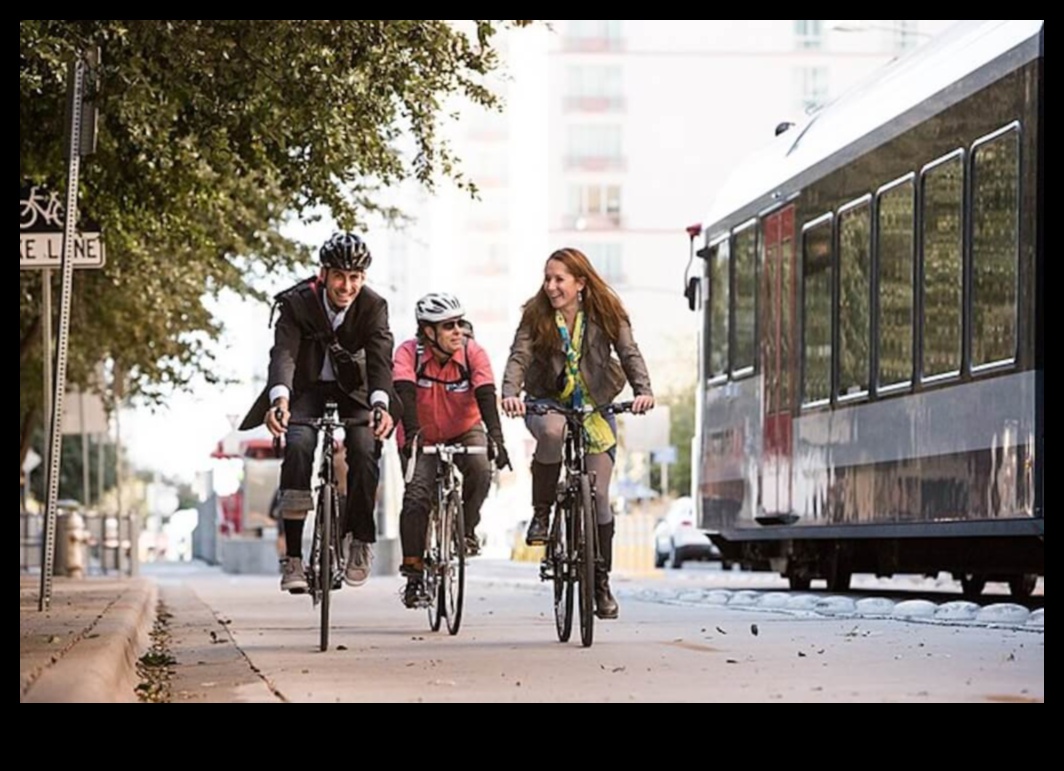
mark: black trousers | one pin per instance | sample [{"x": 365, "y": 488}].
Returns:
[{"x": 363, "y": 461}]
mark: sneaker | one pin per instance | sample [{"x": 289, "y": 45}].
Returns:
[
  {"x": 414, "y": 593},
  {"x": 472, "y": 546},
  {"x": 359, "y": 563},
  {"x": 293, "y": 576}
]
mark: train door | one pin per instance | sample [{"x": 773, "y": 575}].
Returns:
[{"x": 778, "y": 325}]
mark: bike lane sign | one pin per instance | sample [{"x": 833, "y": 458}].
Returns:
[{"x": 41, "y": 224}]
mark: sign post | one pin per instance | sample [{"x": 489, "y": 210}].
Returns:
[{"x": 30, "y": 211}]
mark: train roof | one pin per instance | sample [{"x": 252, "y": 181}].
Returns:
[{"x": 965, "y": 58}]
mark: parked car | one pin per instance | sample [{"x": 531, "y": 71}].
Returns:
[{"x": 678, "y": 539}]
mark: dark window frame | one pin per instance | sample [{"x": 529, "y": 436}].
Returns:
[
  {"x": 749, "y": 371},
  {"x": 866, "y": 201},
  {"x": 954, "y": 376},
  {"x": 879, "y": 388},
  {"x": 1003, "y": 365},
  {"x": 820, "y": 404}
]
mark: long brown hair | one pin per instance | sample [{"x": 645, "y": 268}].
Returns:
[{"x": 601, "y": 304}]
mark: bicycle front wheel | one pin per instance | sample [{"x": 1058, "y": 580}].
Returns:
[
  {"x": 587, "y": 553},
  {"x": 325, "y": 514},
  {"x": 453, "y": 583},
  {"x": 561, "y": 557},
  {"x": 435, "y": 555}
]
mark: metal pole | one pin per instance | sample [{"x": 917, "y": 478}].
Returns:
[
  {"x": 86, "y": 477},
  {"x": 76, "y": 93}
]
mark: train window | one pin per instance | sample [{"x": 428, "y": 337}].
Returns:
[
  {"x": 855, "y": 299},
  {"x": 897, "y": 249},
  {"x": 817, "y": 281},
  {"x": 995, "y": 248},
  {"x": 719, "y": 304},
  {"x": 745, "y": 319},
  {"x": 943, "y": 263}
]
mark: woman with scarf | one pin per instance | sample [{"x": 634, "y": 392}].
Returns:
[{"x": 564, "y": 352}]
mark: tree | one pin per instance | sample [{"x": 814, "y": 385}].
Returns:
[
  {"x": 681, "y": 405},
  {"x": 213, "y": 133}
]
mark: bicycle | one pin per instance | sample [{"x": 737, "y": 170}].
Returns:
[
  {"x": 572, "y": 548},
  {"x": 325, "y": 568},
  {"x": 445, "y": 548}
]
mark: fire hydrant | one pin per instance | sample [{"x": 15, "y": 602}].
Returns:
[{"x": 78, "y": 537}]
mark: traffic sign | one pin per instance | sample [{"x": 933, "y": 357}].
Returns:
[{"x": 41, "y": 224}]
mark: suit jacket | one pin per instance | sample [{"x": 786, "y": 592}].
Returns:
[{"x": 298, "y": 353}]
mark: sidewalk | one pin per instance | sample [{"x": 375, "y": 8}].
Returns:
[{"x": 85, "y": 647}]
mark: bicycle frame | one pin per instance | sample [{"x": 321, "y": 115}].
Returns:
[
  {"x": 326, "y": 564},
  {"x": 573, "y": 550},
  {"x": 444, "y": 557}
]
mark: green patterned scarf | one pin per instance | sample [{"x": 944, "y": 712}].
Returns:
[{"x": 575, "y": 394}]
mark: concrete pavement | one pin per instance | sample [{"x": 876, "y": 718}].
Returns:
[{"x": 85, "y": 647}]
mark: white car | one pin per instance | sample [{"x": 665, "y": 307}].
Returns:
[{"x": 678, "y": 539}]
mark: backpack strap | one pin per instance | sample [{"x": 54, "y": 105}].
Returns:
[{"x": 463, "y": 367}]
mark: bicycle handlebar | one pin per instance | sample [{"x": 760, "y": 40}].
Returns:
[
  {"x": 547, "y": 408},
  {"x": 453, "y": 449}
]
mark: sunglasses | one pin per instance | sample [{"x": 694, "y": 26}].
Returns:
[{"x": 449, "y": 326}]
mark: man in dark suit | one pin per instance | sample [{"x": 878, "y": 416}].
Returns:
[{"x": 332, "y": 343}]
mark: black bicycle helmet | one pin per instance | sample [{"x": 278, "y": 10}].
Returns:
[{"x": 345, "y": 251}]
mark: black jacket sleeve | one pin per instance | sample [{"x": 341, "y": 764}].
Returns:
[
  {"x": 407, "y": 393},
  {"x": 489, "y": 412}
]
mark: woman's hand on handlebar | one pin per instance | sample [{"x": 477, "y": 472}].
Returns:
[
  {"x": 642, "y": 405},
  {"x": 277, "y": 418},
  {"x": 513, "y": 407}
]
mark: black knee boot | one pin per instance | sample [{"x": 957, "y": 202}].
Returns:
[
  {"x": 606, "y": 606},
  {"x": 544, "y": 494}
]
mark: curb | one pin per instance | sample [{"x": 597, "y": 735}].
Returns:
[{"x": 101, "y": 667}]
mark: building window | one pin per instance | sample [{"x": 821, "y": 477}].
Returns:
[
  {"x": 905, "y": 33},
  {"x": 812, "y": 86},
  {"x": 745, "y": 320},
  {"x": 593, "y": 35},
  {"x": 818, "y": 282},
  {"x": 995, "y": 248},
  {"x": 608, "y": 260},
  {"x": 896, "y": 214},
  {"x": 594, "y": 89},
  {"x": 594, "y": 207},
  {"x": 595, "y": 147},
  {"x": 809, "y": 34},
  {"x": 943, "y": 284},
  {"x": 855, "y": 299}
]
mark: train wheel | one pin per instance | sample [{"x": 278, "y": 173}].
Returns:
[
  {"x": 973, "y": 585},
  {"x": 1023, "y": 586},
  {"x": 800, "y": 583}
]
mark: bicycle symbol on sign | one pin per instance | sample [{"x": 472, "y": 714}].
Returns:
[{"x": 40, "y": 204}]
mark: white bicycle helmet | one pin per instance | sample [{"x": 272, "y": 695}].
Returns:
[{"x": 438, "y": 307}]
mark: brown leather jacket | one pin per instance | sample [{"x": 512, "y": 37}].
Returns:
[{"x": 604, "y": 373}]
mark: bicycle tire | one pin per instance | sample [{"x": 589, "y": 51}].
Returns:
[
  {"x": 586, "y": 557},
  {"x": 453, "y": 579},
  {"x": 560, "y": 554},
  {"x": 325, "y": 578},
  {"x": 434, "y": 555}
]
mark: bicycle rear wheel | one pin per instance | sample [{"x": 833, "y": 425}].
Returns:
[
  {"x": 453, "y": 578},
  {"x": 560, "y": 554},
  {"x": 326, "y": 503},
  {"x": 587, "y": 553}
]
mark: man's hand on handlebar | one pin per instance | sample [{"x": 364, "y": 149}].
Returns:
[
  {"x": 277, "y": 418},
  {"x": 383, "y": 425}
]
